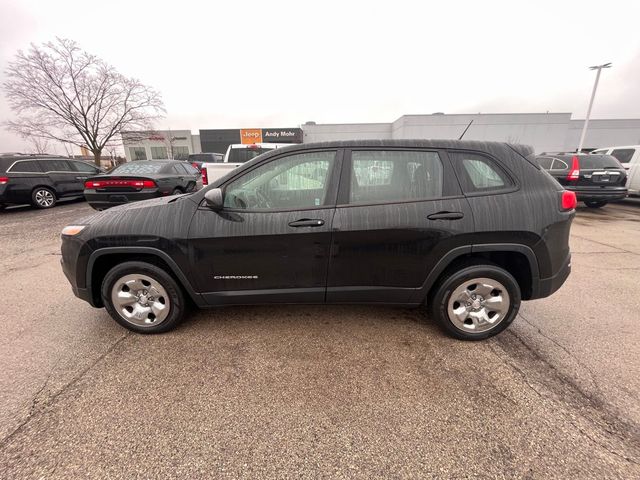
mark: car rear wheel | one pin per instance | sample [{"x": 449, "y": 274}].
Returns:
[
  {"x": 476, "y": 302},
  {"x": 595, "y": 204},
  {"x": 142, "y": 297},
  {"x": 176, "y": 191},
  {"x": 43, "y": 197}
]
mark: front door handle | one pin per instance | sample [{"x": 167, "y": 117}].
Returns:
[
  {"x": 81, "y": 178},
  {"x": 307, "y": 222},
  {"x": 446, "y": 216}
]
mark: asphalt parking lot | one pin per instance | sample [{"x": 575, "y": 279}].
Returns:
[{"x": 308, "y": 392}]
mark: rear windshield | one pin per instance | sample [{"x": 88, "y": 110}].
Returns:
[
  {"x": 205, "y": 157},
  {"x": 241, "y": 155},
  {"x": 137, "y": 168},
  {"x": 598, "y": 161}
]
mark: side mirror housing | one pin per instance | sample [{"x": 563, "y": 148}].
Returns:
[{"x": 214, "y": 199}]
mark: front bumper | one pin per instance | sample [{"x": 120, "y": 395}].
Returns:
[
  {"x": 104, "y": 200},
  {"x": 73, "y": 263}
]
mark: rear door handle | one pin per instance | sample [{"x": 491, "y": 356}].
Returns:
[
  {"x": 307, "y": 222},
  {"x": 446, "y": 216}
]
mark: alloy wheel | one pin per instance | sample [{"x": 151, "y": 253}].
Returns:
[{"x": 44, "y": 198}]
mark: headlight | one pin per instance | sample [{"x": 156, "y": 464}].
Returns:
[{"x": 73, "y": 230}]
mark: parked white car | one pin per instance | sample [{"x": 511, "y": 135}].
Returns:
[
  {"x": 629, "y": 157},
  {"x": 236, "y": 155}
]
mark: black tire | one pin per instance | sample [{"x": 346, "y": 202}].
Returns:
[
  {"x": 595, "y": 204},
  {"x": 176, "y": 299},
  {"x": 177, "y": 191},
  {"x": 43, "y": 197},
  {"x": 439, "y": 304}
]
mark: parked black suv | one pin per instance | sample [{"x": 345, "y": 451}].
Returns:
[
  {"x": 596, "y": 179},
  {"x": 41, "y": 180},
  {"x": 469, "y": 228}
]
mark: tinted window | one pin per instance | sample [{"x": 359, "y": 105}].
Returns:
[
  {"x": 296, "y": 181},
  {"x": 241, "y": 155},
  {"x": 55, "y": 165},
  {"x": 479, "y": 173},
  {"x": 137, "y": 169},
  {"x": 191, "y": 170},
  {"x": 623, "y": 155},
  {"x": 394, "y": 176},
  {"x": 206, "y": 157},
  {"x": 26, "y": 166},
  {"x": 84, "y": 167},
  {"x": 598, "y": 161},
  {"x": 559, "y": 165},
  {"x": 545, "y": 162},
  {"x": 176, "y": 170}
]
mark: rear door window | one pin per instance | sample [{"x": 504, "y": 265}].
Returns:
[
  {"x": 386, "y": 176},
  {"x": 26, "y": 166},
  {"x": 55, "y": 165},
  {"x": 478, "y": 173},
  {"x": 84, "y": 167},
  {"x": 624, "y": 155}
]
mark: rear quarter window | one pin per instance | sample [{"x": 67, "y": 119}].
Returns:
[
  {"x": 26, "y": 166},
  {"x": 624, "y": 155},
  {"x": 479, "y": 173}
]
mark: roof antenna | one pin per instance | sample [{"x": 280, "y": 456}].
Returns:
[{"x": 465, "y": 130}]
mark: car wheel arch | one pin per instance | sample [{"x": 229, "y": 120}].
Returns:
[
  {"x": 102, "y": 260},
  {"x": 504, "y": 255}
]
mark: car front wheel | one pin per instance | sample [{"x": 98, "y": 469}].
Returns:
[
  {"x": 142, "y": 297},
  {"x": 476, "y": 302}
]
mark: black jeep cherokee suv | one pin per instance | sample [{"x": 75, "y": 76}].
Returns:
[{"x": 468, "y": 228}]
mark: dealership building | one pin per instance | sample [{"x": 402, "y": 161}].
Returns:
[{"x": 546, "y": 132}]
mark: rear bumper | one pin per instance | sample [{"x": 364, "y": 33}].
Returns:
[
  {"x": 599, "y": 194},
  {"x": 103, "y": 200},
  {"x": 547, "y": 286}
]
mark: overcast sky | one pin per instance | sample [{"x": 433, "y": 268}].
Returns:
[{"x": 230, "y": 64}]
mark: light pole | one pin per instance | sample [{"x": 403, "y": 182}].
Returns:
[{"x": 593, "y": 95}]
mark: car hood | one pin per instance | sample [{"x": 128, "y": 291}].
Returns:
[{"x": 124, "y": 209}]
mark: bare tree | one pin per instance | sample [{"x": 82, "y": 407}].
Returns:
[
  {"x": 62, "y": 93},
  {"x": 38, "y": 145}
]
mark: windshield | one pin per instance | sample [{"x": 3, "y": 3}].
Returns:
[
  {"x": 241, "y": 155},
  {"x": 135, "y": 168}
]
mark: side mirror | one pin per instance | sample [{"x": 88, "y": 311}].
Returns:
[{"x": 214, "y": 199}]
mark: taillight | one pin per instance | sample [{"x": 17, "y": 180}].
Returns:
[
  {"x": 120, "y": 183},
  {"x": 205, "y": 179},
  {"x": 194, "y": 165},
  {"x": 574, "y": 173},
  {"x": 568, "y": 201},
  {"x": 4, "y": 180}
]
